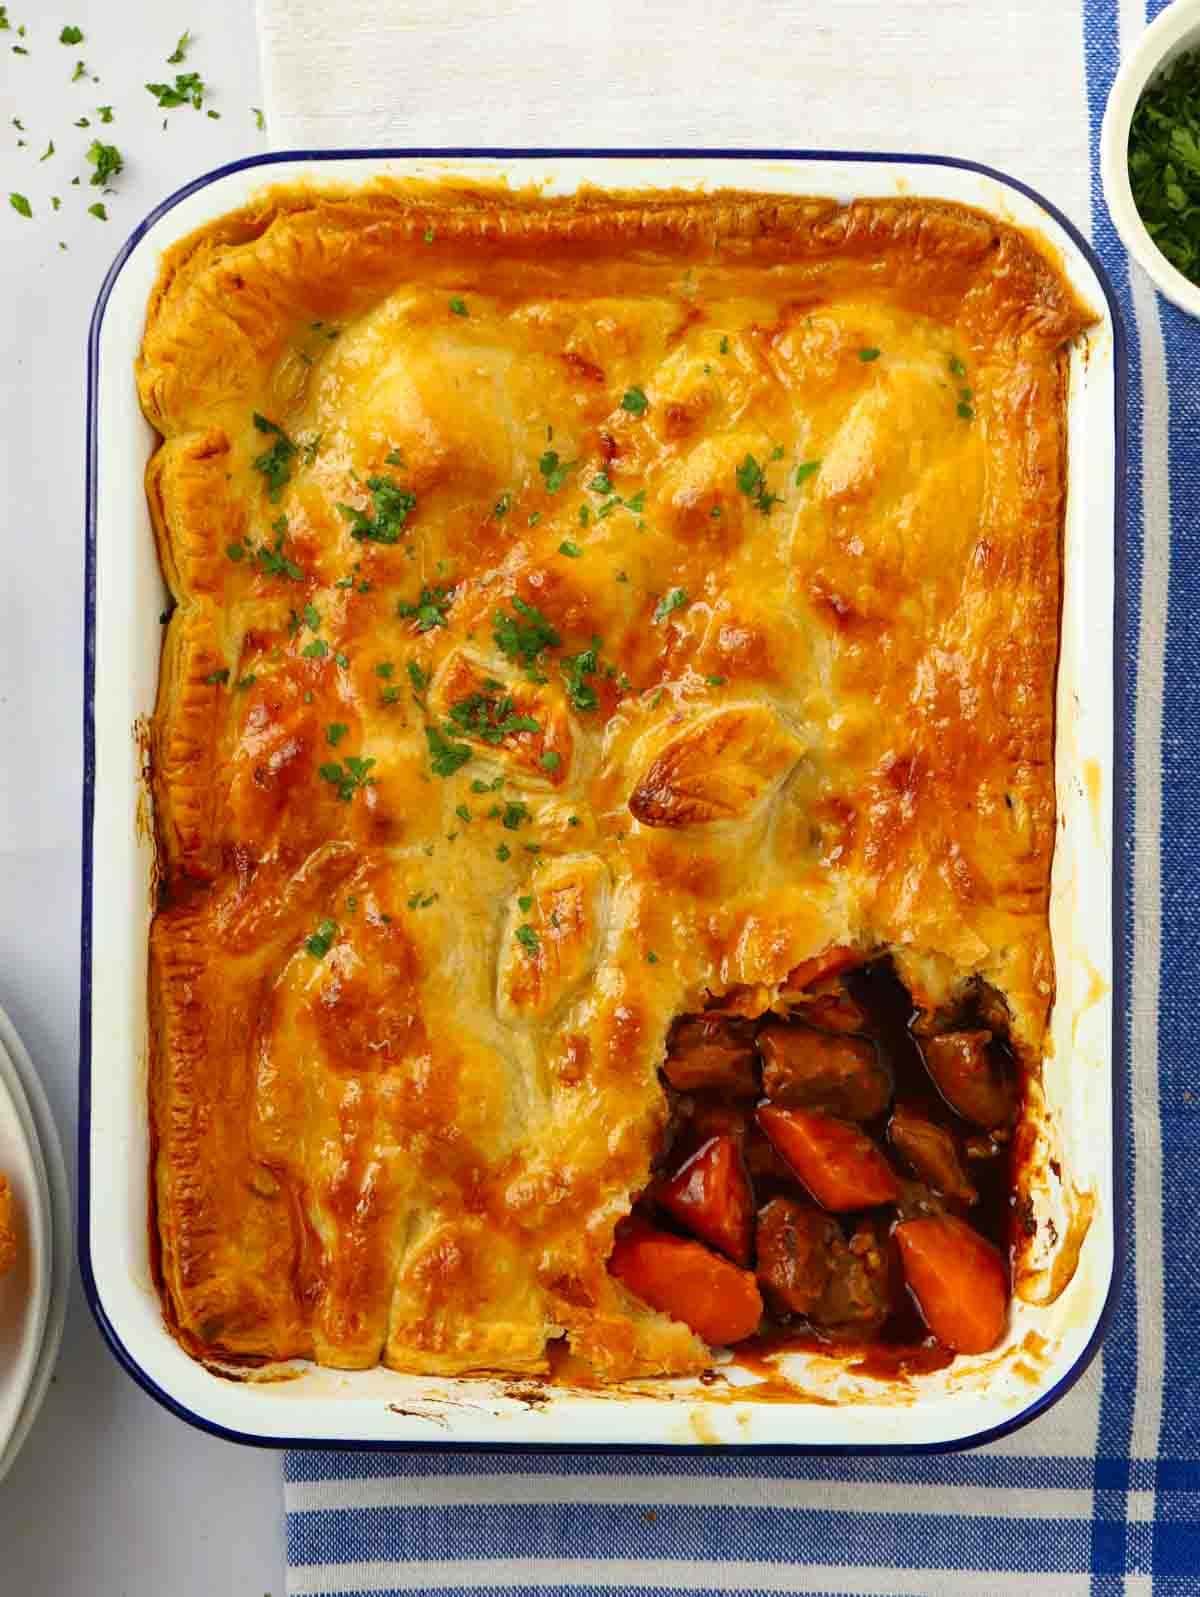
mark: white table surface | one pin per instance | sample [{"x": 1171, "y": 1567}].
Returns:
[{"x": 111, "y": 1497}]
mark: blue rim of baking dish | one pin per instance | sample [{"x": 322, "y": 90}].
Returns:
[{"x": 1122, "y": 818}]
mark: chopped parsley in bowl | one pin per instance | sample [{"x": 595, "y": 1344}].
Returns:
[{"x": 1164, "y": 162}]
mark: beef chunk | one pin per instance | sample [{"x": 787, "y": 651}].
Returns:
[
  {"x": 931, "y": 1152},
  {"x": 807, "y": 1069},
  {"x": 712, "y": 1051},
  {"x": 795, "y": 1248},
  {"x": 829, "y": 1007},
  {"x": 969, "y": 1078},
  {"x": 858, "y": 1298}
]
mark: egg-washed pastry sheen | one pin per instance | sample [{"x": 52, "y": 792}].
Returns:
[{"x": 588, "y": 612}]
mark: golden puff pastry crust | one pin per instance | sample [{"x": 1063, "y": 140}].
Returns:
[{"x": 583, "y": 607}]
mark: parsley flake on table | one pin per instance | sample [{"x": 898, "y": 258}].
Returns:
[
  {"x": 188, "y": 89},
  {"x": 429, "y": 611},
  {"x": 635, "y": 402},
  {"x": 107, "y": 160},
  {"x": 322, "y": 940},
  {"x": 275, "y": 463},
  {"x": 21, "y": 205},
  {"x": 347, "y": 776},
  {"x": 180, "y": 50},
  {"x": 98, "y": 211},
  {"x": 260, "y": 121},
  {"x": 392, "y": 505},
  {"x": 47, "y": 152},
  {"x": 79, "y": 72},
  {"x": 71, "y": 35},
  {"x": 674, "y": 600}
]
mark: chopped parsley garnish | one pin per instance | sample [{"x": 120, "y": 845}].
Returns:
[
  {"x": 429, "y": 611},
  {"x": 318, "y": 649},
  {"x": 71, "y": 35},
  {"x": 312, "y": 617},
  {"x": 458, "y": 306},
  {"x": 385, "y": 669},
  {"x": 47, "y": 152},
  {"x": 445, "y": 757},
  {"x": 260, "y": 121},
  {"x": 478, "y": 786},
  {"x": 525, "y": 903},
  {"x": 715, "y": 681},
  {"x": 321, "y": 941},
  {"x": 215, "y": 678},
  {"x": 634, "y": 401},
  {"x": 674, "y": 600},
  {"x": 869, "y": 354},
  {"x": 515, "y": 815},
  {"x": 98, "y": 211},
  {"x": 503, "y": 852},
  {"x": 957, "y": 369},
  {"x": 419, "y": 680},
  {"x": 180, "y": 50},
  {"x": 347, "y": 776},
  {"x": 489, "y": 718},
  {"x": 652, "y": 958},
  {"x": 528, "y": 939},
  {"x": 550, "y": 761},
  {"x": 392, "y": 506},
  {"x": 273, "y": 561},
  {"x": 571, "y": 550},
  {"x": 525, "y": 635},
  {"x": 965, "y": 410},
  {"x": 502, "y": 506},
  {"x": 724, "y": 346},
  {"x": 422, "y": 901},
  {"x": 21, "y": 205},
  {"x": 601, "y": 483},
  {"x": 805, "y": 470},
  {"x": 575, "y": 668},
  {"x": 275, "y": 463},
  {"x": 105, "y": 113},
  {"x": 79, "y": 72},
  {"x": 335, "y": 732},
  {"x": 188, "y": 89},
  {"x": 463, "y": 814},
  {"x": 554, "y": 471},
  {"x": 393, "y": 458},
  {"x": 752, "y": 481}
]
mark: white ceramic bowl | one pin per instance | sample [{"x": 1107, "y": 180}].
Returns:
[{"x": 1174, "y": 32}]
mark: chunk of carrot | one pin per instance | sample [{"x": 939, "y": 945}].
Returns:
[
  {"x": 689, "y": 1282},
  {"x": 958, "y": 1279},
  {"x": 710, "y": 1195},
  {"x": 838, "y": 1163}
]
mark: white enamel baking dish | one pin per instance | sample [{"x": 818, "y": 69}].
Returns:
[{"x": 974, "y": 1400}]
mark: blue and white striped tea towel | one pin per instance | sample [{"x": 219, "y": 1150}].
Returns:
[{"x": 1102, "y": 1494}]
